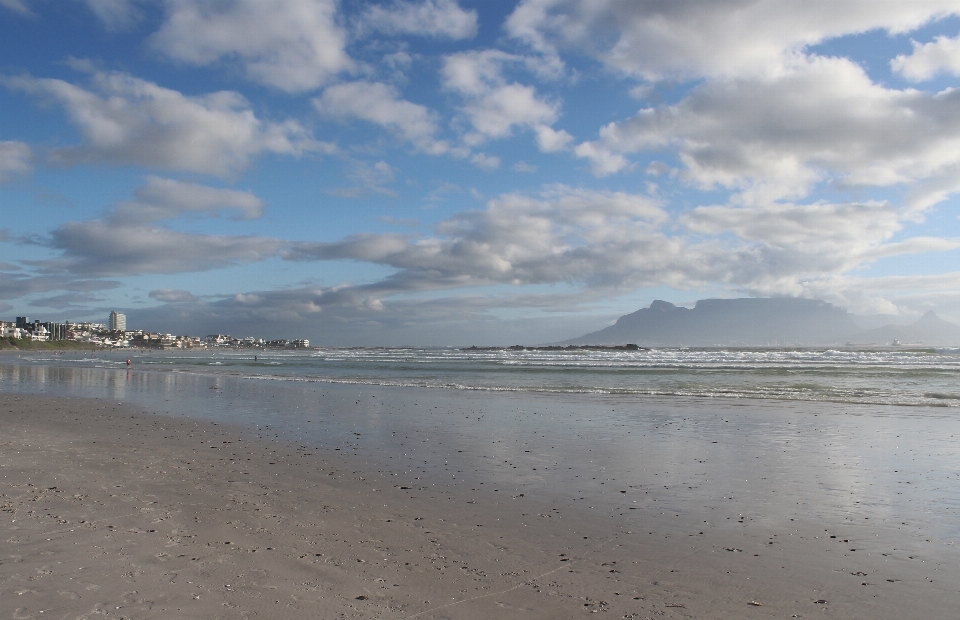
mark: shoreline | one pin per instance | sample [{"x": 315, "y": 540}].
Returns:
[
  {"x": 135, "y": 514},
  {"x": 7, "y": 345}
]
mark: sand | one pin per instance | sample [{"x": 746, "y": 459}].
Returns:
[{"x": 112, "y": 511}]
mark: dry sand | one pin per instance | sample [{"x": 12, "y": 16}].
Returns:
[{"x": 110, "y": 511}]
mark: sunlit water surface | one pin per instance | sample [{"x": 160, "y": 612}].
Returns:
[{"x": 837, "y": 436}]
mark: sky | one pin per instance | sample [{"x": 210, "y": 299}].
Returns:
[{"x": 458, "y": 172}]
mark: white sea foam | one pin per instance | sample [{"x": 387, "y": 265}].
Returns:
[{"x": 894, "y": 376}]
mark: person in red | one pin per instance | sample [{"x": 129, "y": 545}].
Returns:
[{"x": 128, "y": 361}]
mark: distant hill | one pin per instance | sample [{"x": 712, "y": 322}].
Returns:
[
  {"x": 778, "y": 321},
  {"x": 929, "y": 330}
]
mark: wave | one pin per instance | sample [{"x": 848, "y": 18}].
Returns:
[
  {"x": 907, "y": 378},
  {"x": 854, "y": 397}
]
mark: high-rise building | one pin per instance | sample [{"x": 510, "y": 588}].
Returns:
[{"x": 118, "y": 322}]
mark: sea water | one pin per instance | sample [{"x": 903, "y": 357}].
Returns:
[
  {"x": 900, "y": 377},
  {"x": 837, "y": 436}
]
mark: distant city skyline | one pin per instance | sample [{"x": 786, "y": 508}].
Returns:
[{"x": 457, "y": 172}]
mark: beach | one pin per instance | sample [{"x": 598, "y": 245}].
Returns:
[{"x": 680, "y": 510}]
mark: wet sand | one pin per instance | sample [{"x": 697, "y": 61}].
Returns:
[{"x": 109, "y": 510}]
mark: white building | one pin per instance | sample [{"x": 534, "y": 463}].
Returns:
[
  {"x": 15, "y": 332},
  {"x": 118, "y": 322}
]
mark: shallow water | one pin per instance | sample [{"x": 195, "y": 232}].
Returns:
[
  {"x": 725, "y": 462},
  {"x": 887, "y": 377}
]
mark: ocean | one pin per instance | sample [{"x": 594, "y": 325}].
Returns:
[
  {"x": 898, "y": 377},
  {"x": 868, "y": 434}
]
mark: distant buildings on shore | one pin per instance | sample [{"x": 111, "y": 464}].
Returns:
[
  {"x": 115, "y": 334},
  {"x": 36, "y": 330}
]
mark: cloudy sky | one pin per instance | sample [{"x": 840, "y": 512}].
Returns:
[{"x": 473, "y": 171}]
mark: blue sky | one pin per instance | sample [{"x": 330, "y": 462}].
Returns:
[{"x": 442, "y": 172}]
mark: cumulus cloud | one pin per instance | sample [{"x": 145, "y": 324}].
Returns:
[
  {"x": 815, "y": 227},
  {"x": 381, "y": 104},
  {"x": 14, "y": 160},
  {"x": 824, "y": 119},
  {"x": 704, "y": 38},
  {"x": 484, "y": 161},
  {"x": 429, "y": 18},
  {"x": 602, "y": 158},
  {"x": 804, "y": 241},
  {"x": 370, "y": 180},
  {"x": 21, "y": 284},
  {"x": 293, "y": 45},
  {"x": 493, "y": 105},
  {"x": 172, "y": 295},
  {"x": 66, "y": 301},
  {"x": 163, "y": 199},
  {"x": 942, "y": 55},
  {"x": 609, "y": 241},
  {"x": 551, "y": 140},
  {"x": 131, "y": 239},
  {"x": 100, "y": 248},
  {"x": 127, "y": 241},
  {"x": 563, "y": 235},
  {"x": 127, "y": 120},
  {"x": 115, "y": 14}
]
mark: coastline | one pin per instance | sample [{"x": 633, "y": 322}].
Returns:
[
  {"x": 110, "y": 509},
  {"x": 7, "y": 345}
]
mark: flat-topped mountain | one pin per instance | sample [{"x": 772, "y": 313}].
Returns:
[{"x": 777, "y": 321}]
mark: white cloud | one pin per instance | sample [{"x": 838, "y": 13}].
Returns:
[
  {"x": 129, "y": 240},
  {"x": 928, "y": 59},
  {"x": 430, "y": 18},
  {"x": 163, "y": 199},
  {"x": 563, "y": 235},
  {"x": 381, "y": 104},
  {"x": 443, "y": 189},
  {"x": 658, "y": 40},
  {"x": 172, "y": 295},
  {"x": 487, "y": 162},
  {"x": 115, "y": 14},
  {"x": 126, "y": 120},
  {"x": 293, "y": 45},
  {"x": 838, "y": 226},
  {"x": 14, "y": 160},
  {"x": 806, "y": 250},
  {"x": 770, "y": 138},
  {"x": 17, "y": 285},
  {"x": 550, "y": 140},
  {"x": 605, "y": 161},
  {"x": 606, "y": 241},
  {"x": 492, "y": 105},
  {"x": 17, "y": 6},
  {"x": 816, "y": 239},
  {"x": 370, "y": 180},
  {"x": 473, "y": 73},
  {"x": 101, "y": 248}
]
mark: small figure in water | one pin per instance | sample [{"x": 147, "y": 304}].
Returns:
[
  {"x": 128, "y": 361},
  {"x": 254, "y": 358}
]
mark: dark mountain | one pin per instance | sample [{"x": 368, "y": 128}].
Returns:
[
  {"x": 929, "y": 330},
  {"x": 778, "y": 321},
  {"x": 731, "y": 322}
]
